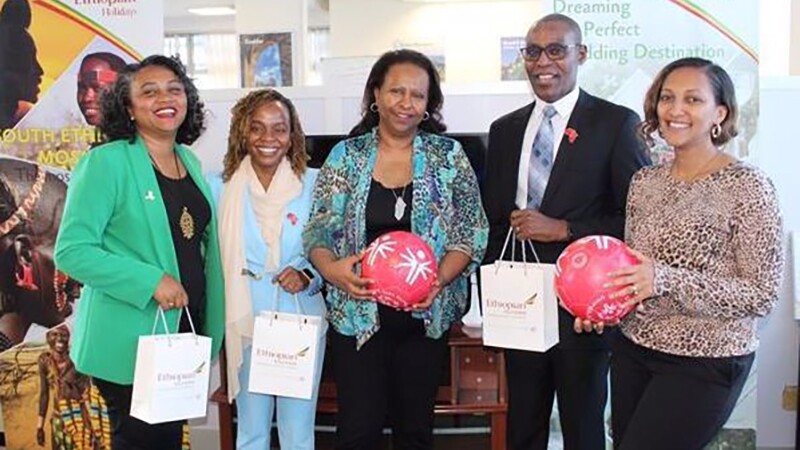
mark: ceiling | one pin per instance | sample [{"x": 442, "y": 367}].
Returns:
[
  {"x": 176, "y": 9},
  {"x": 179, "y": 8}
]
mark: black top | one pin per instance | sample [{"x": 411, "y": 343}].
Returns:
[
  {"x": 380, "y": 209},
  {"x": 380, "y": 219},
  {"x": 189, "y": 213}
]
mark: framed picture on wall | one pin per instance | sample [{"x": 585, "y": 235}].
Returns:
[
  {"x": 266, "y": 59},
  {"x": 512, "y": 66}
]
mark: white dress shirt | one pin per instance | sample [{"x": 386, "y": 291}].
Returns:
[{"x": 564, "y": 107}]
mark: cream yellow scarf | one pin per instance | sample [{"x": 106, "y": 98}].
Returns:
[{"x": 268, "y": 208}]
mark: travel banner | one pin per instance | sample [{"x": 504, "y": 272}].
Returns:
[
  {"x": 629, "y": 41},
  {"x": 56, "y": 59}
]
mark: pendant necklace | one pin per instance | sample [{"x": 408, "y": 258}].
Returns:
[
  {"x": 399, "y": 204},
  {"x": 187, "y": 224}
]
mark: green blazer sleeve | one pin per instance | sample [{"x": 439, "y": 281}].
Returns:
[{"x": 89, "y": 247}]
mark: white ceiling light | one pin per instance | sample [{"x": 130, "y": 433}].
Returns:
[{"x": 213, "y": 11}]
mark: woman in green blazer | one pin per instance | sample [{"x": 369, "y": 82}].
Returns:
[{"x": 139, "y": 231}]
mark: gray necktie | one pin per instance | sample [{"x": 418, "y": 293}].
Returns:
[{"x": 541, "y": 159}]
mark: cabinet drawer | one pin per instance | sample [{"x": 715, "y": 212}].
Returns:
[
  {"x": 468, "y": 397},
  {"x": 476, "y": 368}
]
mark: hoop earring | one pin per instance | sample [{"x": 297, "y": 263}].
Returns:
[
  {"x": 425, "y": 116},
  {"x": 373, "y": 107},
  {"x": 716, "y": 130}
]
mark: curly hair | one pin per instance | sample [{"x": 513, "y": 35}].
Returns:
[
  {"x": 377, "y": 75},
  {"x": 242, "y": 113},
  {"x": 116, "y": 101},
  {"x": 721, "y": 87}
]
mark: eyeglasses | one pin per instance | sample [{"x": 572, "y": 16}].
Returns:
[{"x": 555, "y": 51}]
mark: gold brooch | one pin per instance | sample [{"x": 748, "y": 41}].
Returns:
[{"x": 187, "y": 224}]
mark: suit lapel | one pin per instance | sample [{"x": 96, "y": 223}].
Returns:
[
  {"x": 149, "y": 196},
  {"x": 580, "y": 119}
]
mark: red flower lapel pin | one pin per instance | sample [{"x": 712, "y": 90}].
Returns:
[
  {"x": 571, "y": 134},
  {"x": 292, "y": 218}
]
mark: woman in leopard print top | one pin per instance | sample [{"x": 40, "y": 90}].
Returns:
[{"x": 708, "y": 231}]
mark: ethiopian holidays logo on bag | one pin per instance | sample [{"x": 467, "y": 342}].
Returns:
[
  {"x": 271, "y": 357},
  {"x": 503, "y": 308},
  {"x": 179, "y": 379}
]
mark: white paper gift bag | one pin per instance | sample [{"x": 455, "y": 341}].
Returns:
[
  {"x": 284, "y": 353},
  {"x": 519, "y": 303},
  {"x": 171, "y": 376}
]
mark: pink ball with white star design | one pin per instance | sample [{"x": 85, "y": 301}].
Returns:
[
  {"x": 581, "y": 272},
  {"x": 402, "y": 267}
]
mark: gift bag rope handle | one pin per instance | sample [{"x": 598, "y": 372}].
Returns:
[
  {"x": 160, "y": 313},
  {"x": 513, "y": 250},
  {"x": 274, "y": 315}
]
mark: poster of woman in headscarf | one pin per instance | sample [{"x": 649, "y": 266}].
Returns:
[{"x": 69, "y": 410}]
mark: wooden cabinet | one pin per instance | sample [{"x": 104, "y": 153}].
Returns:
[{"x": 477, "y": 382}]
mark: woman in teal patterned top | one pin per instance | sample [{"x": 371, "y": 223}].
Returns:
[{"x": 385, "y": 359}]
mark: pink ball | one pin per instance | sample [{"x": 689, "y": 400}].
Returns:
[
  {"x": 402, "y": 267},
  {"x": 582, "y": 270}
]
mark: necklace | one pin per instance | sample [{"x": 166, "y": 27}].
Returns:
[
  {"x": 187, "y": 224},
  {"x": 186, "y": 221},
  {"x": 399, "y": 203},
  {"x": 697, "y": 172},
  {"x": 158, "y": 167}
]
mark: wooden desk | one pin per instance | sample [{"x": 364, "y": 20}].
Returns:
[{"x": 476, "y": 385}]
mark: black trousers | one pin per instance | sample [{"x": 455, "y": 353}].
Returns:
[
  {"x": 130, "y": 433},
  {"x": 578, "y": 376},
  {"x": 662, "y": 401},
  {"x": 397, "y": 373}
]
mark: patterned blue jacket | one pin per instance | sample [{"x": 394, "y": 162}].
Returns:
[{"x": 446, "y": 212}]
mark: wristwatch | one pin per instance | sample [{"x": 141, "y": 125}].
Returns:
[{"x": 308, "y": 274}]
